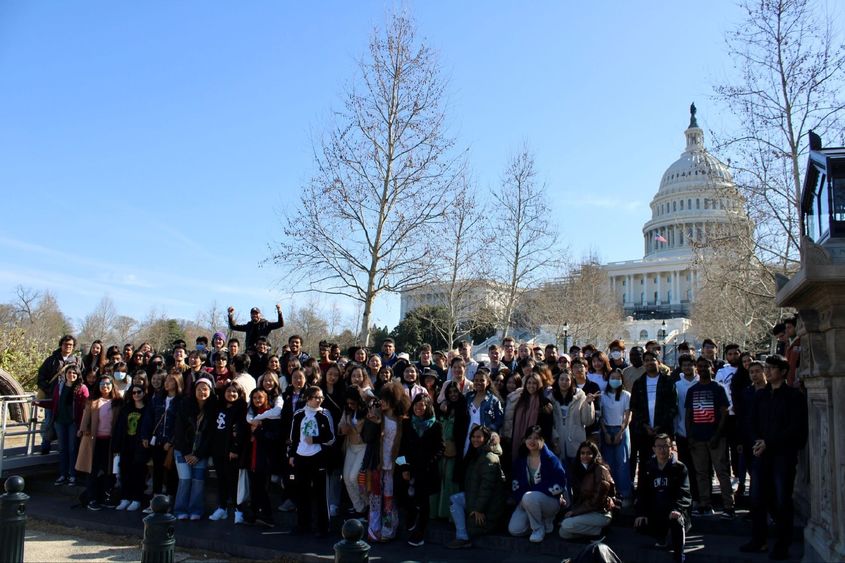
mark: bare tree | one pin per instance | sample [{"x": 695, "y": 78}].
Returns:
[
  {"x": 525, "y": 240},
  {"x": 581, "y": 299},
  {"x": 790, "y": 81},
  {"x": 214, "y": 319},
  {"x": 99, "y": 323},
  {"x": 461, "y": 266},
  {"x": 383, "y": 174}
]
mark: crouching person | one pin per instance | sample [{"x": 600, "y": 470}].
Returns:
[
  {"x": 479, "y": 508},
  {"x": 592, "y": 495},
  {"x": 664, "y": 499},
  {"x": 538, "y": 484}
]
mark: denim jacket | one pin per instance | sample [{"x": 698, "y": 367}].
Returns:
[{"x": 492, "y": 413}]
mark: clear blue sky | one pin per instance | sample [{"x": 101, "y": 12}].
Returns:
[{"x": 147, "y": 149}]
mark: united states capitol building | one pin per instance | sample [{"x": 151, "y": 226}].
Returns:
[{"x": 696, "y": 200}]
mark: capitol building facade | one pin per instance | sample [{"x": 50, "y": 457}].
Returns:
[{"x": 697, "y": 200}]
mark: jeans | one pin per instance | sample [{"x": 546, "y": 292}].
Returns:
[
  {"x": 47, "y": 430},
  {"x": 190, "y": 496},
  {"x": 458, "y": 510},
  {"x": 617, "y": 457},
  {"x": 67, "y": 448},
  {"x": 772, "y": 482}
]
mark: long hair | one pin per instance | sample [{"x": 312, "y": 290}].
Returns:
[
  {"x": 618, "y": 391},
  {"x": 525, "y": 396},
  {"x": 394, "y": 395},
  {"x": 605, "y": 368},
  {"x": 558, "y": 394}
]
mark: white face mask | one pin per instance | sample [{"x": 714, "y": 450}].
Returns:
[
  {"x": 616, "y": 355},
  {"x": 119, "y": 375}
]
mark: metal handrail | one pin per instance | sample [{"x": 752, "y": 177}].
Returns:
[{"x": 31, "y": 424}]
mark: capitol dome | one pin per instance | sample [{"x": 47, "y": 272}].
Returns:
[{"x": 696, "y": 198}]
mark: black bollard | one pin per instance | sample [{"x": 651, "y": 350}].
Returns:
[
  {"x": 352, "y": 549},
  {"x": 159, "y": 533},
  {"x": 13, "y": 520}
]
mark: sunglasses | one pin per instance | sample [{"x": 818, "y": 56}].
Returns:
[{"x": 137, "y": 392}]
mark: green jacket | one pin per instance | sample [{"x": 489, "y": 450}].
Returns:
[{"x": 484, "y": 487}]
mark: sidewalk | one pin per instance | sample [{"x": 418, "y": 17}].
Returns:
[
  {"x": 49, "y": 542},
  {"x": 712, "y": 540}
]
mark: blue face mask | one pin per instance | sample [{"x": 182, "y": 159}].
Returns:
[
  {"x": 615, "y": 383},
  {"x": 200, "y": 347}
]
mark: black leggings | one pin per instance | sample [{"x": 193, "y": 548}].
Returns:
[
  {"x": 133, "y": 477},
  {"x": 163, "y": 477},
  {"x": 259, "y": 494},
  {"x": 310, "y": 487},
  {"x": 227, "y": 479},
  {"x": 101, "y": 479}
]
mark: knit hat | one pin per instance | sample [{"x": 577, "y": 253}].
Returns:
[{"x": 219, "y": 335}]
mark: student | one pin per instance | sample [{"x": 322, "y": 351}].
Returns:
[
  {"x": 192, "y": 442},
  {"x": 779, "y": 431},
  {"x": 95, "y": 450},
  {"x": 127, "y": 442},
  {"x": 574, "y": 412},
  {"x": 592, "y": 495},
  {"x": 259, "y": 452},
  {"x": 453, "y": 415},
  {"x": 382, "y": 434},
  {"x": 350, "y": 427},
  {"x": 312, "y": 433},
  {"x": 228, "y": 433},
  {"x": 616, "y": 440},
  {"x": 706, "y": 417},
  {"x": 663, "y": 498},
  {"x": 420, "y": 449},
  {"x": 157, "y": 433},
  {"x": 69, "y": 399},
  {"x": 334, "y": 400},
  {"x": 539, "y": 481},
  {"x": 687, "y": 378},
  {"x": 479, "y": 508}
]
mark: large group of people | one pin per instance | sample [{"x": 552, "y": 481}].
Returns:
[{"x": 529, "y": 440}]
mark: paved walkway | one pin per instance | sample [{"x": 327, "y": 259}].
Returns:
[
  {"x": 49, "y": 542},
  {"x": 712, "y": 540}
]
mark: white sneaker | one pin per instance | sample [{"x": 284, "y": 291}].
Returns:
[
  {"x": 537, "y": 536},
  {"x": 239, "y": 517},
  {"x": 148, "y": 510},
  {"x": 133, "y": 506},
  {"x": 219, "y": 514},
  {"x": 123, "y": 504}
]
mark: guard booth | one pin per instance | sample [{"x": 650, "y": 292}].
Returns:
[{"x": 817, "y": 291}]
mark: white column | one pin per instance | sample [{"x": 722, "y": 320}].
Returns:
[{"x": 659, "y": 289}]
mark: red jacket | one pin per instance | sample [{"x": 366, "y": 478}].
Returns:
[{"x": 80, "y": 398}]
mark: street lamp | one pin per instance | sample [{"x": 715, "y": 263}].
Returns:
[
  {"x": 661, "y": 334},
  {"x": 565, "y": 337}
]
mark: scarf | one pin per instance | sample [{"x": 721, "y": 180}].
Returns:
[
  {"x": 421, "y": 424},
  {"x": 524, "y": 418},
  {"x": 253, "y": 458}
]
